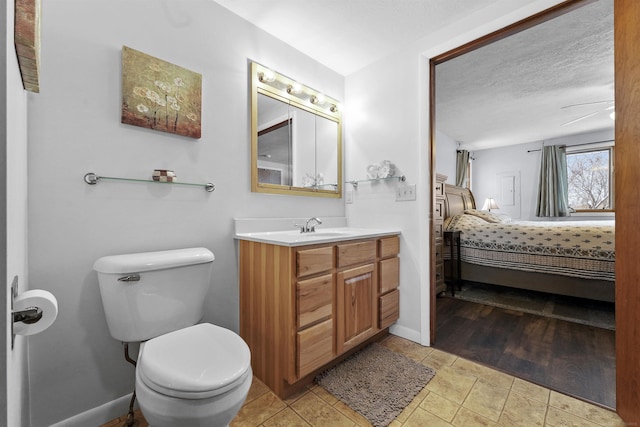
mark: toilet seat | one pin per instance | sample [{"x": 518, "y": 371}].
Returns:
[{"x": 197, "y": 362}]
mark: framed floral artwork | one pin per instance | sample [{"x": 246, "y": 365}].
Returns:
[
  {"x": 27, "y": 42},
  {"x": 159, "y": 95}
]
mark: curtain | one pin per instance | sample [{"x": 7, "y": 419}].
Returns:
[
  {"x": 462, "y": 167},
  {"x": 553, "y": 189}
]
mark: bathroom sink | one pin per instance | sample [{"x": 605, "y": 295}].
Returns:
[
  {"x": 295, "y": 238},
  {"x": 295, "y": 235},
  {"x": 323, "y": 233}
]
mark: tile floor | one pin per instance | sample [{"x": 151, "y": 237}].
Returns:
[{"x": 462, "y": 393}]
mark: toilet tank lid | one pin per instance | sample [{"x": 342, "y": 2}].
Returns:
[{"x": 147, "y": 261}]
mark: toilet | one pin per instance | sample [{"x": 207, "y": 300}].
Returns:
[{"x": 187, "y": 373}]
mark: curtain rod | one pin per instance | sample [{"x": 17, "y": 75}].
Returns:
[{"x": 586, "y": 143}]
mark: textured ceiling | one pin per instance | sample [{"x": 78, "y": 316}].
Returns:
[
  {"x": 509, "y": 92},
  {"x": 514, "y": 90}
]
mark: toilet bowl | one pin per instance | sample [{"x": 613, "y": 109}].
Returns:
[
  {"x": 198, "y": 376},
  {"x": 188, "y": 373}
]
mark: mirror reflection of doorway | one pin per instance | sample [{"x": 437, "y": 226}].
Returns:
[
  {"x": 273, "y": 160},
  {"x": 540, "y": 350}
]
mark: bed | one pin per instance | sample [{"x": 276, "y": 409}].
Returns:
[{"x": 573, "y": 258}]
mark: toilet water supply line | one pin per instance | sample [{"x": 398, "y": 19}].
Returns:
[{"x": 131, "y": 422}]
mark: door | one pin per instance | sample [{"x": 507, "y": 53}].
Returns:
[
  {"x": 356, "y": 316},
  {"x": 13, "y": 223},
  {"x": 627, "y": 205}
]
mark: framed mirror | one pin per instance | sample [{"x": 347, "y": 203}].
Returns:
[{"x": 296, "y": 137}]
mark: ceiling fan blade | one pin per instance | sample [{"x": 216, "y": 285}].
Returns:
[
  {"x": 586, "y": 116},
  {"x": 587, "y": 103}
]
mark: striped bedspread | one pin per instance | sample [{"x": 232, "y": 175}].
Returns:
[{"x": 584, "y": 249}]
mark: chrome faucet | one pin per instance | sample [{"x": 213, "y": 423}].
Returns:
[{"x": 306, "y": 228}]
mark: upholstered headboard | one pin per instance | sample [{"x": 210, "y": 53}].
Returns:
[{"x": 458, "y": 199}]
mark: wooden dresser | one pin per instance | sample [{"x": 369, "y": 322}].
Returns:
[{"x": 438, "y": 219}]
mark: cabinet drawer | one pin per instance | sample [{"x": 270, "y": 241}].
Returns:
[
  {"x": 439, "y": 189},
  {"x": 315, "y": 298},
  {"x": 439, "y": 272},
  {"x": 311, "y": 261},
  {"x": 356, "y": 253},
  {"x": 389, "y": 308},
  {"x": 437, "y": 230},
  {"x": 438, "y": 209},
  {"x": 315, "y": 347},
  {"x": 389, "y": 246},
  {"x": 439, "y": 247},
  {"x": 389, "y": 274}
]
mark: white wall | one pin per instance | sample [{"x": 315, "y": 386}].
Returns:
[
  {"x": 390, "y": 121},
  {"x": 446, "y": 156},
  {"x": 491, "y": 163},
  {"x": 381, "y": 125},
  {"x": 13, "y": 217},
  {"x": 75, "y": 128}
]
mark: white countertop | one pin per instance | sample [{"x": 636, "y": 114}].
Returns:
[{"x": 321, "y": 235}]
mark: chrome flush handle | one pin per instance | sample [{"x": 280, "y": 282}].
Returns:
[{"x": 129, "y": 278}]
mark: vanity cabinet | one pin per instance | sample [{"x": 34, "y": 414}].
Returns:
[{"x": 303, "y": 307}]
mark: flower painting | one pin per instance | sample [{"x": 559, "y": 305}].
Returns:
[{"x": 159, "y": 95}]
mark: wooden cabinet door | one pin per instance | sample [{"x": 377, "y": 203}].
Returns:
[{"x": 356, "y": 306}]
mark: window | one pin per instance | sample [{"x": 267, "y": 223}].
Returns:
[{"x": 590, "y": 176}]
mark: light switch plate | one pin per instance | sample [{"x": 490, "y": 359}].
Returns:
[
  {"x": 405, "y": 193},
  {"x": 348, "y": 195}
]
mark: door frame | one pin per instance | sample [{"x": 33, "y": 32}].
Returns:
[
  {"x": 4, "y": 295},
  {"x": 627, "y": 195}
]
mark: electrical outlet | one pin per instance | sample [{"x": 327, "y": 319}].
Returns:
[
  {"x": 405, "y": 193},
  {"x": 348, "y": 195}
]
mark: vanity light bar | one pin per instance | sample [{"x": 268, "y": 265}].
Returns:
[{"x": 292, "y": 88}]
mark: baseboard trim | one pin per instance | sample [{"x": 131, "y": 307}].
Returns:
[
  {"x": 404, "y": 332},
  {"x": 98, "y": 415}
]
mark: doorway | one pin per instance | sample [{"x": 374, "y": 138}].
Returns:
[{"x": 627, "y": 395}]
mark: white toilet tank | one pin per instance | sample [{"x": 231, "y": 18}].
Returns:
[{"x": 149, "y": 294}]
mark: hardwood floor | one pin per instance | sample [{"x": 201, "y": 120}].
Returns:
[{"x": 571, "y": 358}]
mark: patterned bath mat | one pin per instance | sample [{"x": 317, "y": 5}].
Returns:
[{"x": 376, "y": 382}]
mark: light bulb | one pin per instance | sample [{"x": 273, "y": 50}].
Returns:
[
  {"x": 295, "y": 88},
  {"x": 267, "y": 76},
  {"x": 318, "y": 99}
]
